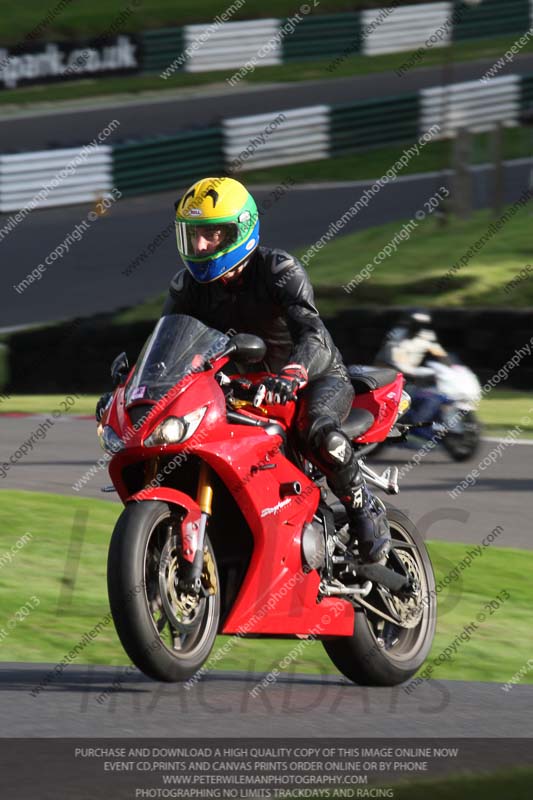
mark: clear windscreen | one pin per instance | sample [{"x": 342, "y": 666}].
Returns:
[{"x": 179, "y": 346}]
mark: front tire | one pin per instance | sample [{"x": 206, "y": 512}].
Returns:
[
  {"x": 380, "y": 653},
  {"x": 166, "y": 635}
]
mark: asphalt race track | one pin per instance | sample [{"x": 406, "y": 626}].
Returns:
[
  {"x": 320, "y": 705},
  {"x": 71, "y": 448},
  {"x": 90, "y": 277},
  {"x": 78, "y": 123},
  {"x": 221, "y": 705}
]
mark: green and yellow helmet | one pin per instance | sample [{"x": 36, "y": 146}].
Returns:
[{"x": 222, "y": 203}]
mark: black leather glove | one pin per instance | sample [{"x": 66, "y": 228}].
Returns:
[
  {"x": 102, "y": 405},
  {"x": 283, "y": 387}
]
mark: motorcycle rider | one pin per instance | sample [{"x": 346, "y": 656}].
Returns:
[
  {"x": 229, "y": 281},
  {"x": 407, "y": 347}
]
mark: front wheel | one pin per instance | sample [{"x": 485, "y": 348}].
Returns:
[
  {"x": 168, "y": 635},
  {"x": 380, "y": 652}
]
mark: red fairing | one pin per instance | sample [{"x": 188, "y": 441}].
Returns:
[
  {"x": 383, "y": 404},
  {"x": 191, "y": 521},
  {"x": 276, "y": 596}
]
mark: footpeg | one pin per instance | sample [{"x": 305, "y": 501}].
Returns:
[
  {"x": 387, "y": 481},
  {"x": 390, "y": 477}
]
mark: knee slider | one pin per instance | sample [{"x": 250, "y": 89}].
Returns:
[
  {"x": 319, "y": 430},
  {"x": 336, "y": 448}
]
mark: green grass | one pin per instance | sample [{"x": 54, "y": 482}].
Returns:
[
  {"x": 509, "y": 784},
  {"x": 502, "y": 409},
  {"x": 373, "y": 163},
  {"x": 411, "y": 275},
  {"x": 306, "y": 70},
  {"x": 512, "y": 784},
  {"x": 46, "y": 403},
  {"x": 499, "y": 411},
  {"x": 497, "y": 651},
  {"x": 148, "y": 310},
  {"x": 92, "y": 18}
]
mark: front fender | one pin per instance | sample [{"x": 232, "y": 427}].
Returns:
[{"x": 190, "y": 526}]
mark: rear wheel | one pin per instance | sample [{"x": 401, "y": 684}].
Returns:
[
  {"x": 168, "y": 635},
  {"x": 385, "y": 653},
  {"x": 464, "y": 445}
]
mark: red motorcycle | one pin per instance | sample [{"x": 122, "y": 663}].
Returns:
[{"x": 227, "y": 529}]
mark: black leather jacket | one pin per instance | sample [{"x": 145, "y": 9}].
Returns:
[{"x": 273, "y": 299}]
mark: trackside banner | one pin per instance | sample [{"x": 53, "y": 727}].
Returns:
[{"x": 55, "y": 62}]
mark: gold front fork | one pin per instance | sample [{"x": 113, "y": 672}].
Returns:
[{"x": 204, "y": 494}]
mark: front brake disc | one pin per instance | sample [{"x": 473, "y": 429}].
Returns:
[{"x": 184, "y": 611}]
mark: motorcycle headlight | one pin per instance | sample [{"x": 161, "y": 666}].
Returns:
[
  {"x": 175, "y": 429},
  {"x": 109, "y": 441}
]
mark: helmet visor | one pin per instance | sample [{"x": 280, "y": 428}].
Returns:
[{"x": 198, "y": 242}]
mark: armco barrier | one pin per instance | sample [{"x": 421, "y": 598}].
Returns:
[
  {"x": 54, "y": 177},
  {"x": 232, "y": 45},
  {"x": 167, "y": 162},
  {"x": 263, "y": 140},
  {"x": 405, "y": 28},
  {"x": 323, "y": 36},
  {"x": 368, "y": 123},
  {"x": 491, "y": 18},
  {"x": 301, "y": 135},
  {"x": 162, "y": 47},
  {"x": 471, "y": 105},
  {"x": 526, "y": 94}
]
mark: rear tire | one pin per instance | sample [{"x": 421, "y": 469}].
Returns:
[
  {"x": 462, "y": 446},
  {"x": 380, "y": 653},
  {"x": 158, "y": 649}
]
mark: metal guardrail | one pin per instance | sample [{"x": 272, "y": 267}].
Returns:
[
  {"x": 323, "y": 36},
  {"x": 54, "y": 177},
  {"x": 471, "y": 105},
  {"x": 301, "y": 135},
  {"x": 407, "y": 28},
  {"x": 526, "y": 93},
  {"x": 161, "y": 47},
  {"x": 259, "y": 141},
  {"x": 231, "y": 45},
  {"x": 357, "y": 126},
  {"x": 166, "y": 162},
  {"x": 491, "y": 18}
]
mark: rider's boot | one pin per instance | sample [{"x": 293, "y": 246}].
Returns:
[
  {"x": 367, "y": 521},
  {"x": 367, "y": 518}
]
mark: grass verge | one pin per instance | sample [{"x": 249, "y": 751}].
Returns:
[
  {"x": 45, "y": 404},
  {"x": 416, "y": 274},
  {"x": 91, "y": 19},
  {"x": 499, "y": 275},
  {"x": 512, "y": 784},
  {"x": 41, "y": 568},
  {"x": 373, "y": 163},
  {"x": 500, "y": 411}
]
